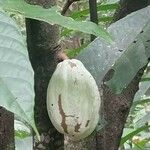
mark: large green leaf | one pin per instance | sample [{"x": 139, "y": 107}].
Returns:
[
  {"x": 99, "y": 56},
  {"x": 52, "y": 16},
  {"x": 133, "y": 59},
  {"x": 16, "y": 74}
]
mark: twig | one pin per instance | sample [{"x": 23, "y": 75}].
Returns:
[{"x": 67, "y": 5}]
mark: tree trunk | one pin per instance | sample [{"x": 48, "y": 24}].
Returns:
[
  {"x": 7, "y": 141},
  {"x": 115, "y": 107},
  {"x": 43, "y": 46},
  {"x": 116, "y": 110}
]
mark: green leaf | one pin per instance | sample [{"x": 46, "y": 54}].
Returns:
[
  {"x": 52, "y": 16},
  {"x": 102, "y": 19},
  {"x": 143, "y": 120},
  {"x": 105, "y": 19},
  {"x": 99, "y": 56},
  {"x": 22, "y": 130},
  {"x": 100, "y": 7},
  {"x": 141, "y": 145},
  {"x": 21, "y": 134},
  {"x": 141, "y": 102},
  {"x": 16, "y": 74},
  {"x": 143, "y": 87},
  {"x": 133, "y": 133},
  {"x": 72, "y": 53},
  {"x": 146, "y": 77},
  {"x": 131, "y": 61}
]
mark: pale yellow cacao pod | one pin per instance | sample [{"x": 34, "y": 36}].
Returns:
[{"x": 73, "y": 100}]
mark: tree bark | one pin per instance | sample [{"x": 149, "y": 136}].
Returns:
[
  {"x": 129, "y": 6},
  {"x": 115, "y": 107},
  {"x": 7, "y": 141},
  {"x": 43, "y": 47}
]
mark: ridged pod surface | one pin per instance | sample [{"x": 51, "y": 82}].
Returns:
[{"x": 73, "y": 100}]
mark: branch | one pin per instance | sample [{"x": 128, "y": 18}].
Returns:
[
  {"x": 93, "y": 14},
  {"x": 67, "y": 5}
]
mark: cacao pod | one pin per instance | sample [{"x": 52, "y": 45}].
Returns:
[{"x": 73, "y": 100}]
